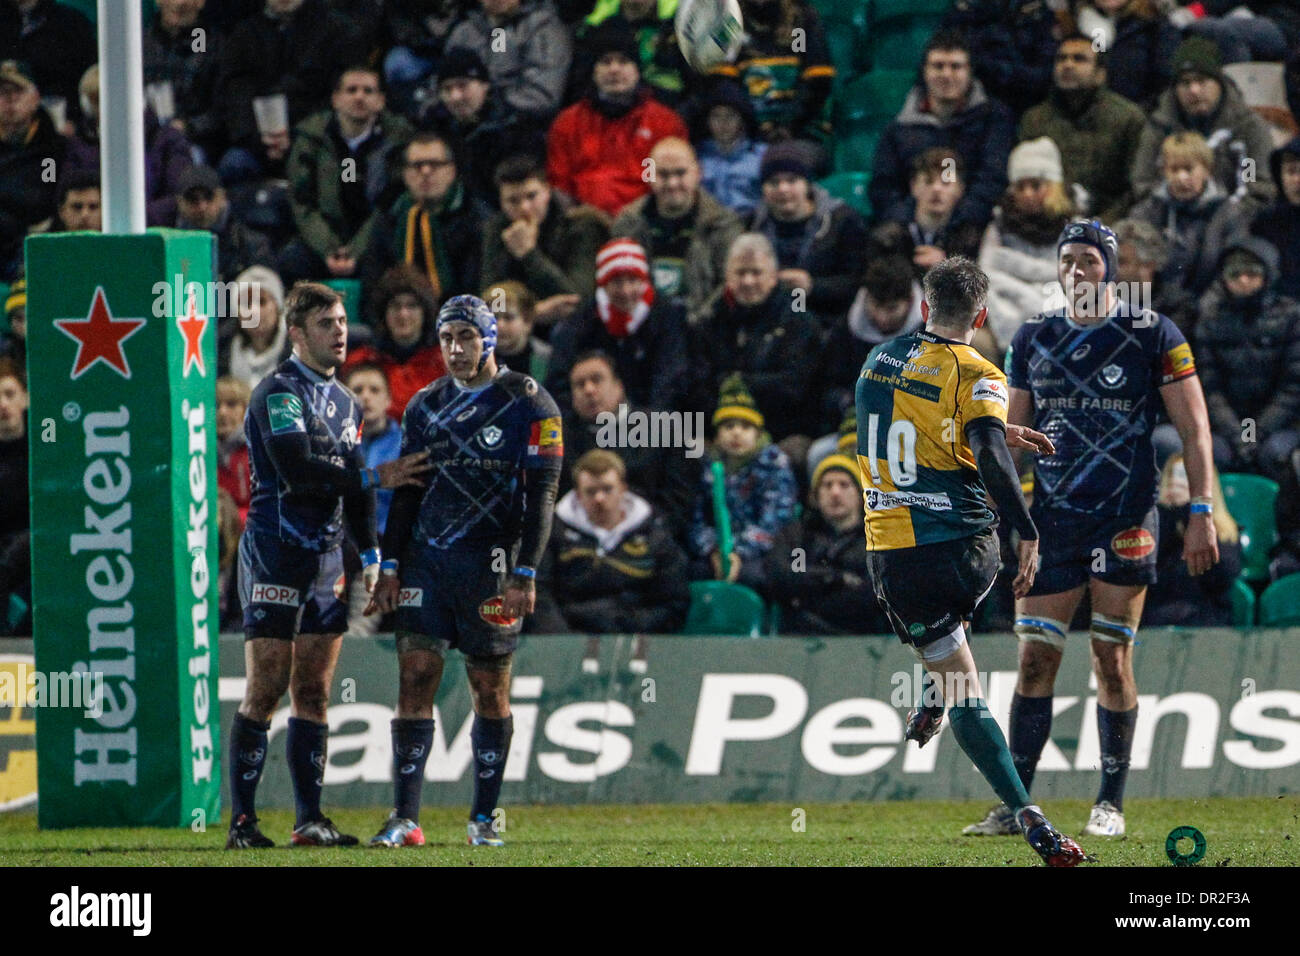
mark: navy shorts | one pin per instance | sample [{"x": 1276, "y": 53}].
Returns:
[
  {"x": 929, "y": 590},
  {"x": 1075, "y": 547},
  {"x": 286, "y": 590},
  {"x": 451, "y": 597}
]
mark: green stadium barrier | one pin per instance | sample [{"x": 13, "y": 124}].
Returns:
[
  {"x": 350, "y": 289},
  {"x": 851, "y": 188},
  {"x": 720, "y": 720},
  {"x": 1279, "y": 605},
  {"x": 1251, "y": 501}
]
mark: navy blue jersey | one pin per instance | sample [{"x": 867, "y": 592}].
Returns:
[
  {"x": 479, "y": 442},
  {"x": 1096, "y": 394},
  {"x": 289, "y": 405}
]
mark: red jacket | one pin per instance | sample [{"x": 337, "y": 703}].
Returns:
[
  {"x": 404, "y": 378},
  {"x": 235, "y": 478},
  {"x": 599, "y": 160}
]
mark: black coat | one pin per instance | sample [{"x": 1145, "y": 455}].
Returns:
[
  {"x": 192, "y": 74},
  {"x": 60, "y": 44},
  {"x": 832, "y": 593},
  {"x": 1179, "y": 600},
  {"x": 665, "y": 477},
  {"x": 637, "y": 587},
  {"x": 1280, "y": 224},
  {"x": 1012, "y": 47},
  {"x": 1138, "y": 62},
  {"x": 298, "y": 58},
  {"x": 775, "y": 349},
  {"x": 652, "y": 361},
  {"x": 27, "y": 194},
  {"x": 479, "y": 148}
]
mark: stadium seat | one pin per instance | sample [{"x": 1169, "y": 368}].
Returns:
[
  {"x": 1243, "y": 604},
  {"x": 1279, "y": 605},
  {"x": 874, "y": 98},
  {"x": 718, "y": 607},
  {"x": 846, "y": 35},
  {"x": 851, "y": 188},
  {"x": 1251, "y": 500},
  {"x": 350, "y": 289},
  {"x": 902, "y": 9},
  {"x": 773, "y": 620}
]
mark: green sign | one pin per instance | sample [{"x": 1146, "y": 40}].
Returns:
[
  {"x": 802, "y": 719},
  {"x": 124, "y": 524}
]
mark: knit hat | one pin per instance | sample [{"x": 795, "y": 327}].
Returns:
[
  {"x": 621, "y": 257},
  {"x": 1036, "y": 159},
  {"x": 735, "y": 401},
  {"x": 612, "y": 37},
  {"x": 462, "y": 63},
  {"x": 848, "y": 440},
  {"x": 471, "y": 309},
  {"x": 1091, "y": 232},
  {"x": 788, "y": 156},
  {"x": 843, "y": 463},
  {"x": 266, "y": 279},
  {"x": 17, "y": 298},
  {"x": 1198, "y": 54}
]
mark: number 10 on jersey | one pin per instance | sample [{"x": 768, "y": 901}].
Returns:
[{"x": 900, "y": 449}]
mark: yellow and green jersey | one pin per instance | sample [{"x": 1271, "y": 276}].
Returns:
[{"x": 915, "y": 396}]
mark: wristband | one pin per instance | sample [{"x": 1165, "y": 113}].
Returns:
[
  {"x": 1200, "y": 508},
  {"x": 524, "y": 572},
  {"x": 369, "y": 478},
  {"x": 369, "y": 556},
  {"x": 388, "y": 566}
]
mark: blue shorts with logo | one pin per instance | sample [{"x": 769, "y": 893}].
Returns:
[
  {"x": 451, "y": 597},
  {"x": 1075, "y": 547},
  {"x": 287, "y": 590}
]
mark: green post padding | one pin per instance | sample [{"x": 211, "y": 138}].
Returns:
[
  {"x": 1251, "y": 501},
  {"x": 1243, "y": 604},
  {"x": 124, "y": 525}
]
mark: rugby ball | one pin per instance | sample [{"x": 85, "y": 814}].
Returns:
[{"x": 709, "y": 32}]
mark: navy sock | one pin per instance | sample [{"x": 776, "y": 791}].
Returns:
[
  {"x": 1115, "y": 732},
  {"x": 308, "y": 743},
  {"x": 248, "y": 756},
  {"x": 490, "y": 737},
  {"x": 980, "y": 738},
  {"x": 412, "y": 738},
  {"x": 1031, "y": 725}
]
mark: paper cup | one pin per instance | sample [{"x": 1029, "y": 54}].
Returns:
[
  {"x": 57, "y": 107},
  {"x": 162, "y": 98},
  {"x": 272, "y": 113}
]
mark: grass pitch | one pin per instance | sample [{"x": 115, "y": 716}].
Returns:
[{"x": 1239, "y": 831}]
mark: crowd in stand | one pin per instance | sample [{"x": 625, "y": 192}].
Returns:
[{"x": 656, "y": 240}]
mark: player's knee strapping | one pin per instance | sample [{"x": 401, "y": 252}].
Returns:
[
  {"x": 1044, "y": 630},
  {"x": 942, "y": 647},
  {"x": 1112, "y": 630}
]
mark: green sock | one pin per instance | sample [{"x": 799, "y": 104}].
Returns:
[{"x": 980, "y": 737}]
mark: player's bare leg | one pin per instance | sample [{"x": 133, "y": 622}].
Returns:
[
  {"x": 268, "y": 663},
  {"x": 419, "y": 672},
  {"x": 489, "y": 686},
  {"x": 1116, "y": 611},
  {"x": 307, "y": 740},
  {"x": 980, "y": 738}
]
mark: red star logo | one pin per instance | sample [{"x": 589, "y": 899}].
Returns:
[
  {"x": 192, "y": 326},
  {"x": 99, "y": 337}
]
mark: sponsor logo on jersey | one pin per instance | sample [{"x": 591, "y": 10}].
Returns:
[
  {"x": 410, "y": 597},
  {"x": 275, "y": 594},
  {"x": 989, "y": 390},
  {"x": 1112, "y": 376},
  {"x": 490, "y": 436},
  {"x": 467, "y": 414},
  {"x": 1133, "y": 543},
  {"x": 340, "y": 586},
  {"x": 492, "y": 611},
  {"x": 1081, "y": 352},
  {"x": 884, "y": 500},
  {"x": 285, "y": 412},
  {"x": 350, "y": 433}
]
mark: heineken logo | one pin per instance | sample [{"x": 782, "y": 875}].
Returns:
[
  {"x": 192, "y": 326},
  {"x": 99, "y": 337}
]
